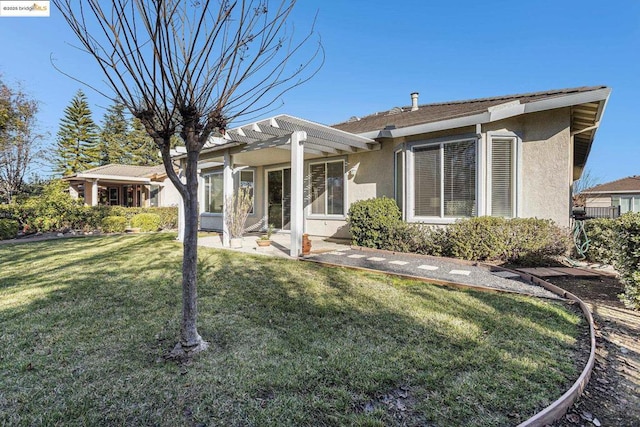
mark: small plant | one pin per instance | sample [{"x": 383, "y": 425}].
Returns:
[
  {"x": 237, "y": 208},
  {"x": 146, "y": 222},
  {"x": 370, "y": 221},
  {"x": 267, "y": 236},
  {"x": 114, "y": 224}
]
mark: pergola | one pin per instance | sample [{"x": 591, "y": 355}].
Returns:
[{"x": 302, "y": 138}]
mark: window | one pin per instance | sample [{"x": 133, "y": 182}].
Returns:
[
  {"x": 327, "y": 188},
  {"x": 154, "y": 193},
  {"x": 444, "y": 179},
  {"x": 628, "y": 203},
  {"x": 213, "y": 197},
  {"x": 399, "y": 177},
  {"x": 247, "y": 182},
  {"x": 502, "y": 185}
]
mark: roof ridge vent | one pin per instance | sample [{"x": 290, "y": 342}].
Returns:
[
  {"x": 394, "y": 110},
  {"x": 353, "y": 119}
]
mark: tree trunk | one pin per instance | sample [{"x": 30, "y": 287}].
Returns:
[{"x": 190, "y": 341}]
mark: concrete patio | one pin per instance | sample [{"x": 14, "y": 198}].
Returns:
[{"x": 280, "y": 244}]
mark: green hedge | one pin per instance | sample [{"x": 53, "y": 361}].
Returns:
[
  {"x": 55, "y": 210},
  {"x": 376, "y": 223},
  {"x": 601, "y": 233},
  {"x": 114, "y": 224},
  {"x": 146, "y": 222},
  {"x": 8, "y": 228},
  {"x": 627, "y": 260},
  {"x": 370, "y": 220}
]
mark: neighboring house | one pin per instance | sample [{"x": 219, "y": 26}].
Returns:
[
  {"x": 613, "y": 198},
  {"x": 509, "y": 156},
  {"x": 124, "y": 185}
]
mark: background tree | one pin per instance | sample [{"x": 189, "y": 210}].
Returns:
[
  {"x": 586, "y": 181},
  {"x": 20, "y": 143},
  {"x": 191, "y": 68},
  {"x": 77, "y": 143},
  {"x": 113, "y": 136},
  {"x": 143, "y": 150}
]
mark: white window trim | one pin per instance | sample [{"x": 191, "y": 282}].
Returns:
[
  {"x": 345, "y": 198},
  {"x": 204, "y": 208},
  {"x": 410, "y": 178},
  {"x": 236, "y": 186},
  {"x": 517, "y": 175}
]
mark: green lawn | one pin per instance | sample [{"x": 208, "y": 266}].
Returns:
[{"x": 84, "y": 323}]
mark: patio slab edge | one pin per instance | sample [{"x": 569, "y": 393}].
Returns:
[{"x": 560, "y": 406}]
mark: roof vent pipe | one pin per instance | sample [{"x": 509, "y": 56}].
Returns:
[{"x": 414, "y": 101}]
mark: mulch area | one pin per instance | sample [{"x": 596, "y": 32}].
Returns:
[{"x": 612, "y": 396}]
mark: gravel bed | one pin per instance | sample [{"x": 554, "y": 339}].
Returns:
[{"x": 432, "y": 268}]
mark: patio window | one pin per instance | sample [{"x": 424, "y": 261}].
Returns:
[
  {"x": 444, "y": 179},
  {"x": 327, "y": 188},
  {"x": 213, "y": 196},
  {"x": 247, "y": 181}
]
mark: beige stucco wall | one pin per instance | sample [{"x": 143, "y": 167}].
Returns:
[
  {"x": 598, "y": 201},
  {"x": 547, "y": 159},
  {"x": 169, "y": 195}
]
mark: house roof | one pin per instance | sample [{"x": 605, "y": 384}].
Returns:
[
  {"x": 587, "y": 106},
  {"x": 630, "y": 184},
  {"x": 119, "y": 172}
]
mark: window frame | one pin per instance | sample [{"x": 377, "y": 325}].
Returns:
[
  {"x": 309, "y": 208},
  {"x": 410, "y": 176},
  {"x": 516, "y": 179},
  {"x": 400, "y": 187},
  {"x": 236, "y": 186},
  {"x": 204, "y": 194}
]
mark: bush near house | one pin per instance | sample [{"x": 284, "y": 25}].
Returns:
[
  {"x": 627, "y": 260},
  {"x": 375, "y": 223},
  {"x": 146, "y": 222},
  {"x": 8, "y": 228},
  {"x": 370, "y": 221},
  {"x": 114, "y": 224},
  {"x": 601, "y": 233}
]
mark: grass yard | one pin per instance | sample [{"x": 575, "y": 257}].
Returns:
[{"x": 84, "y": 323}]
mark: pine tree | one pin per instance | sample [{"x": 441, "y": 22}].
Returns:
[
  {"x": 143, "y": 150},
  {"x": 77, "y": 143},
  {"x": 112, "y": 146}
]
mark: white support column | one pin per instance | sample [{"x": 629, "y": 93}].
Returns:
[
  {"x": 227, "y": 191},
  {"x": 297, "y": 191},
  {"x": 94, "y": 193}
]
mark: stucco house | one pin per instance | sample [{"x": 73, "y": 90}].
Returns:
[
  {"x": 510, "y": 156},
  {"x": 124, "y": 185},
  {"x": 613, "y": 198}
]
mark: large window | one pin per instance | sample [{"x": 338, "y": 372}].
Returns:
[
  {"x": 213, "y": 197},
  {"x": 444, "y": 179},
  {"x": 630, "y": 203},
  {"x": 327, "y": 188},
  {"x": 502, "y": 177}
]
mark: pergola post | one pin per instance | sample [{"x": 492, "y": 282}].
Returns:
[
  {"x": 297, "y": 191},
  {"x": 227, "y": 191},
  {"x": 94, "y": 192}
]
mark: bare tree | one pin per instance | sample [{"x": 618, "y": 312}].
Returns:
[
  {"x": 191, "y": 68},
  {"x": 19, "y": 139},
  {"x": 587, "y": 180}
]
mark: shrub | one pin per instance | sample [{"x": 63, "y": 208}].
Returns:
[
  {"x": 114, "y": 224},
  {"x": 533, "y": 241},
  {"x": 53, "y": 210},
  {"x": 8, "y": 228},
  {"x": 627, "y": 260},
  {"x": 370, "y": 221},
  {"x": 415, "y": 238},
  {"x": 601, "y": 233},
  {"x": 146, "y": 222},
  {"x": 482, "y": 238}
]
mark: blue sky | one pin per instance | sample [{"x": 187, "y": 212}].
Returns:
[{"x": 378, "y": 52}]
